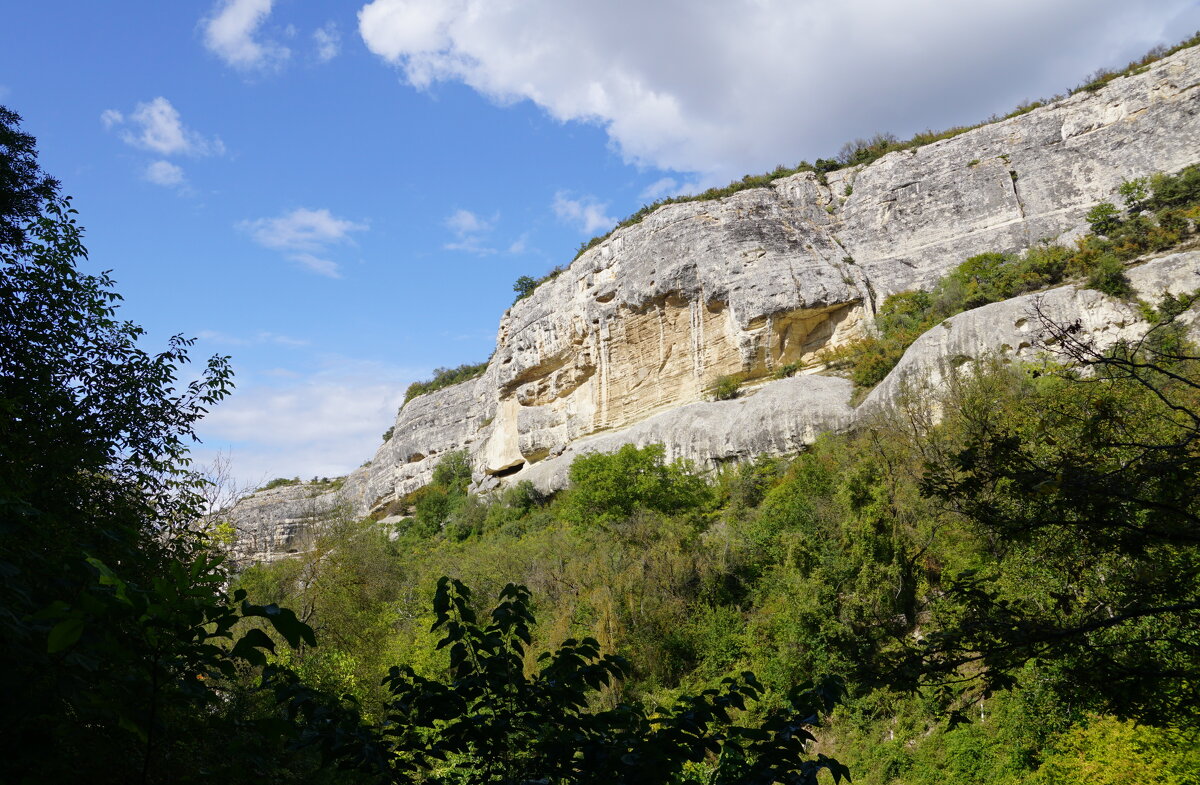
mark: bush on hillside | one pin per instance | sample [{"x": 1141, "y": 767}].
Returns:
[
  {"x": 608, "y": 487},
  {"x": 726, "y": 388}
]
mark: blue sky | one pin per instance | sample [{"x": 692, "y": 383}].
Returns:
[{"x": 340, "y": 195}]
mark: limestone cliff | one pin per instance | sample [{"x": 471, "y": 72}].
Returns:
[{"x": 622, "y": 346}]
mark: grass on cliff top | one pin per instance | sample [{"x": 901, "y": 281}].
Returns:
[
  {"x": 444, "y": 377},
  {"x": 860, "y": 152},
  {"x": 321, "y": 483}
]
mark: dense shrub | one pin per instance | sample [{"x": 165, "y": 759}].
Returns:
[
  {"x": 443, "y": 497},
  {"x": 278, "y": 482},
  {"x": 608, "y": 487},
  {"x": 1103, "y": 750},
  {"x": 726, "y": 388}
]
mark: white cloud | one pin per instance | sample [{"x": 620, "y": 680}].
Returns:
[
  {"x": 231, "y": 34},
  {"x": 586, "y": 213},
  {"x": 467, "y": 222},
  {"x": 317, "y": 265},
  {"x": 164, "y": 173},
  {"x": 261, "y": 337},
  {"x": 301, "y": 230},
  {"x": 722, "y": 89},
  {"x": 470, "y": 231},
  {"x": 328, "y": 41},
  {"x": 326, "y": 423},
  {"x": 665, "y": 186},
  {"x": 302, "y": 234},
  {"x": 157, "y": 126}
]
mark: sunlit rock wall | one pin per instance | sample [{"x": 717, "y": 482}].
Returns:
[{"x": 623, "y": 345}]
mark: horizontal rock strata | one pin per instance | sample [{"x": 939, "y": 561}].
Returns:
[{"x": 623, "y": 345}]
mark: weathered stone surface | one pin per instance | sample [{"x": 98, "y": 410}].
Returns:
[
  {"x": 625, "y": 342},
  {"x": 1014, "y": 329},
  {"x": 645, "y": 321},
  {"x": 777, "y": 418},
  {"x": 277, "y": 523}
]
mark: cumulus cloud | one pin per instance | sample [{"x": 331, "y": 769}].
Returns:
[
  {"x": 231, "y": 32},
  {"x": 164, "y": 173},
  {"x": 157, "y": 126},
  {"x": 303, "y": 234},
  {"x": 288, "y": 423},
  {"x": 328, "y": 42},
  {"x": 722, "y": 89},
  {"x": 585, "y": 213}
]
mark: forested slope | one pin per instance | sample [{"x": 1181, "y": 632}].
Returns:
[{"x": 994, "y": 579}]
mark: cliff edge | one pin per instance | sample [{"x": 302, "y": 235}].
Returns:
[{"x": 623, "y": 346}]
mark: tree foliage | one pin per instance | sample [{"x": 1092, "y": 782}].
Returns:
[
  {"x": 24, "y": 187},
  {"x": 488, "y": 721},
  {"x": 120, "y": 652},
  {"x": 1086, "y": 480},
  {"x": 609, "y": 487}
]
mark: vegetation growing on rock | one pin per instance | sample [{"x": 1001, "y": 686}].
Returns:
[
  {"x": 861, "y": 152},
  {"x": 445, "y": 377},
  {"x": 1160, "y": 213},
  {"x": 1023, "y": 569},
  {"x": 278, "y": 482},
  {"x": 726, "y": 388}
]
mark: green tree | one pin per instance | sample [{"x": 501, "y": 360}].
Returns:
[
  {"x": 24, "y": 187},
  {"x": 1104, "y": 218},
  {"x": 609, "y": 487},
  {"x": 1087, "y": 484},
  {"x": 524, "y": 286},
  {"x": 119, "y": 645},
  {"x": 487, "y": 721}
]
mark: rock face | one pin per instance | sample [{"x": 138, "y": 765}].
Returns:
[
  {"x": 623, "y": 345},
  {"x": 1013, "y": 329},
  {"x": 276, "y": 523}
]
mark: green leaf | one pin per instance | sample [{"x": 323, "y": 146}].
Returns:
[
  {"x": 64, "y": 634},
  {"x": 248, "y": 647},
  {"x": 284, "y": 621},
  {"x": 110, "y": 578},
  {"x": 132, "y": 727}
]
